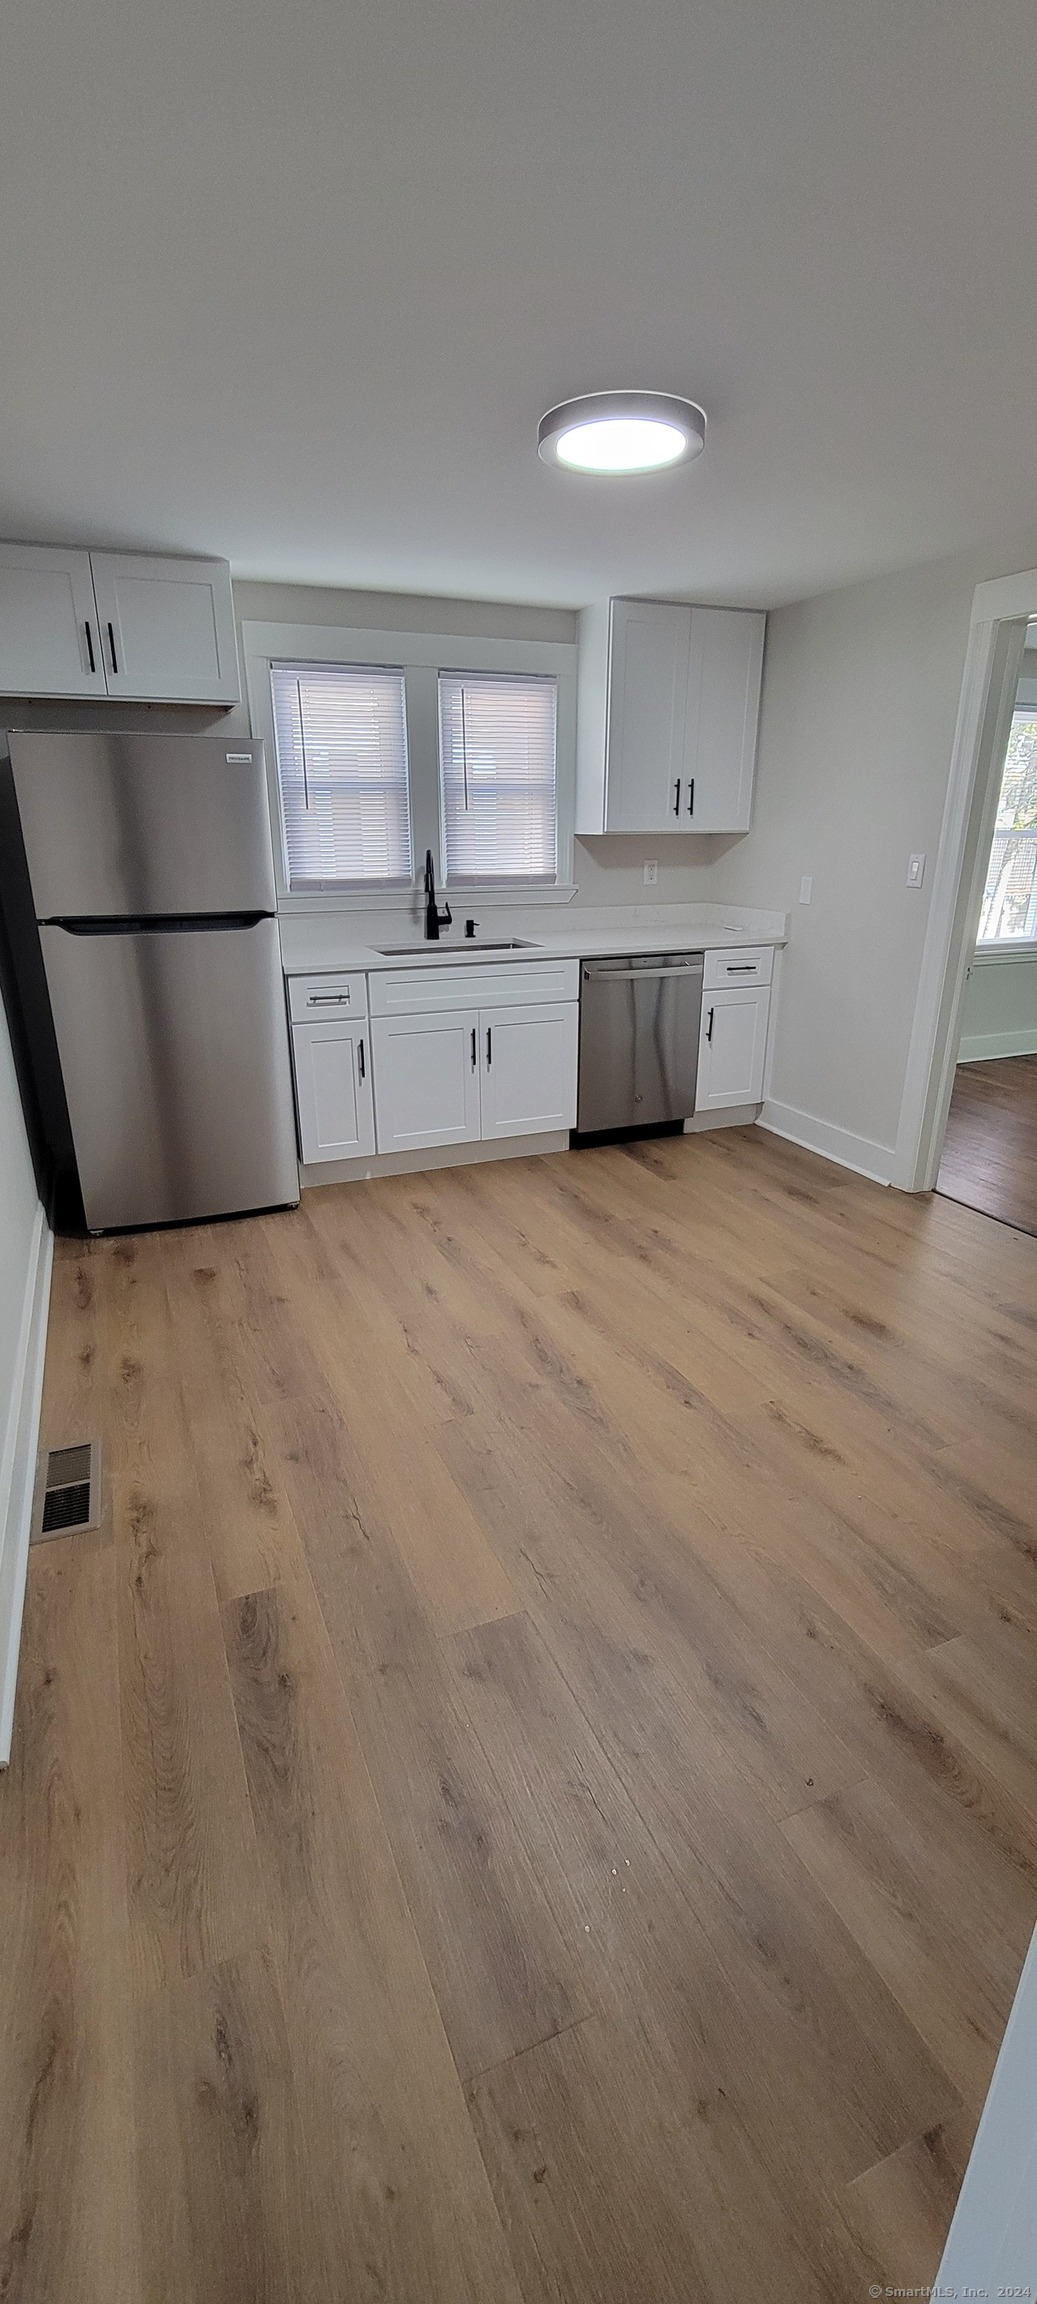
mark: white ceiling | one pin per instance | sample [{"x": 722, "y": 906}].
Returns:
[{"x": 294, "y": 283}]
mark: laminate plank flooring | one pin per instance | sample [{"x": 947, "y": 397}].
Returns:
[
  {"x": 530, "y": 1796},
  {"x": 990, "y": 1150}
]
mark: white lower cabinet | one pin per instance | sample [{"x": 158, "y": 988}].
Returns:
[
  {"x": 529, "y": 1059},
  {"x": 333, "y": 1090},
  {"x": 426, "y": 1071},
  {"x": 732, "y": 1046}
]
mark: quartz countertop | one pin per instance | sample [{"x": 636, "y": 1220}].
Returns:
[{"x": 326, "y": 942}]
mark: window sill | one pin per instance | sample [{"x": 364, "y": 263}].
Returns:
[
  {"x": 516, "y": 897},
  {"x": 1017, "y": 949}
]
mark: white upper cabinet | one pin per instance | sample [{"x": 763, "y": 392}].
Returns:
[
  {"x": 167, "y": 628},
  {"x": 153, "y": 630},
  {"x": 50, "y": 642},
  {"x": 668, "y": 707}
]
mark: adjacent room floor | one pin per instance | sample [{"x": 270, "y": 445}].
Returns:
[
  {"x": 990, "y": 1149},
  {"x": 531, "y": 1795}
]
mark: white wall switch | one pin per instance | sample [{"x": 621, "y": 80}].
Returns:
[
  {"x": 652, "y": 874},
  {"x": 915, "y": 871},
  {"x": 806, "y": 888}
]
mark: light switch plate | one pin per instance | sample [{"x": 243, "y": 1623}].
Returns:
[
  {"x": 651, "y": 873},
  {"x": 915, "y": 871},
  {"x": 806, "y": 888}
]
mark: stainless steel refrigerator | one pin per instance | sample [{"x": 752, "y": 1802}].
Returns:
[{"x": 151, "y": 872}]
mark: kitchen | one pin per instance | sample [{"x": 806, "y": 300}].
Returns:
[{"x": 516, "y": 1613}]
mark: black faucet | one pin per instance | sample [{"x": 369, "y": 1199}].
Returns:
[{"x": 434, "y": 918}]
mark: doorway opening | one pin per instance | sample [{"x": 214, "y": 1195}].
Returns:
[{"x": 989, "y": 1157}]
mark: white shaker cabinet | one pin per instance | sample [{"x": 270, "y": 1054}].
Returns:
[
  {"x": 333, "y": 1089},
  {"x": 426, "y": 1070},
  {"x": 529, "y": 1064},
  {"x": 732, "y": 1046},
  {"x": 667, "y": 717},
  {"x": 167, "y": 628},
  {"x": 50, "y": 639},
  {"x": 120, "y": 624}
]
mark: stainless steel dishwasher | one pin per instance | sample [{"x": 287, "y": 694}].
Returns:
[{"x": 639, "y": 1040}]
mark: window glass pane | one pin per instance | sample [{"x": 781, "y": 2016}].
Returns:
[
  {"x": 341, "y": 738},
  {"x": 497, "y": 762},
  {"x": 1010, "y": 895}
]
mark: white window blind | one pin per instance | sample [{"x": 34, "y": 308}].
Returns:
[
  {"x": 497, "y": 762},
  {"x": 341, "y": 737}
]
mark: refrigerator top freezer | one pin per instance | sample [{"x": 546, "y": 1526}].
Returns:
[
  {"x": 150, "y": 870},
  {"x": 130, "y": 826}
]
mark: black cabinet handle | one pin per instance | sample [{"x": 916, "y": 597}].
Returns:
[
  {"x": 709, "y": 1027},
  {"x": 489, "y": 1047},
  {"x": 111, "y": 644},
  {"x": 691, "y": 796},
  {"x": 677, "y": 797},
  {"x": 360, "y": 1060},
  {"x": 90, "y": 645},
  {"x": 475, "y": 1058}
]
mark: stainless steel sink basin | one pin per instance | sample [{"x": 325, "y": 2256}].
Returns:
[{"x": 443, "y": 950}]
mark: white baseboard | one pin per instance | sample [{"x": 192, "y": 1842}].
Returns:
[
  {"x": 18, "y": 1456},
  {"x": 729, "y": 1116},
  {"x": 981, "y": 1047},
  {"x": 839, "y": 1144},
  {"x": 422, "y": 1163}
]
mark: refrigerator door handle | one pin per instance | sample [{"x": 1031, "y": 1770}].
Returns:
[{"x": 160, "y": 924}]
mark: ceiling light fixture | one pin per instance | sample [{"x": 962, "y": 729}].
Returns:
[{"x": 616, "y": 432}]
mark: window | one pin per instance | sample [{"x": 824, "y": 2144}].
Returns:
[
  {"x": 1010, "y": 896},
  {"x": 340, "y": 734},
  {"x": 497, "y": 772}
]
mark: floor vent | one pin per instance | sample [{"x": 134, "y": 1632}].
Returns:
[{"x": 68, "y": 1493}]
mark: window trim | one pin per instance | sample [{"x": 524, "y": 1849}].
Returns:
[{"x": 422, "y": 655}]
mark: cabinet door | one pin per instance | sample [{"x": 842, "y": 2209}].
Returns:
[
  {"x": 725, "y": 664},
  {"x": 333, "y": 1090},
  {"x": 167, "y": 628},
  {"x": 529, "y": 1058},
  {"x": 648, "y": 693},
  {"x": 732, "y": 1046},
  {"x": 49, "y": 636},
  {"x": 426, "y": 1080}
]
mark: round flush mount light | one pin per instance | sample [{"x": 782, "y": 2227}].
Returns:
[{"x": 616, "y": 432}]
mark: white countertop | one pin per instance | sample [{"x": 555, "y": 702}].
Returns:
[{"x": 315, "y": 943}]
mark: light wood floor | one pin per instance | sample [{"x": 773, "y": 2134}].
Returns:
[
  {"x": 531, "y": 1796},
  {"x": 990, "y": 1149}
]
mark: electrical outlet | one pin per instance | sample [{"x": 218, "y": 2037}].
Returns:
[
  {"x": 915, "y": 871},
  {"x": 806, "y": 888},
  {"x": 651, "y": 873}
]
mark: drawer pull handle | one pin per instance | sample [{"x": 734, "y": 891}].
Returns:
[
  {"x": 741, "y": 967},
  {"x": 329, "y": 999},
  {"x": 361, "y": 1067},
  {"x": 709, "y": 1027}
]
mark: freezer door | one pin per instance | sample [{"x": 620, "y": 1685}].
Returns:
[
  {"x": 174, "y": 1051},
  {"x": 121, "y": 825}
]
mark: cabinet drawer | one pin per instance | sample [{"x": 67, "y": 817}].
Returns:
[
  {"x": 312, "y": 997},
  {"x": 440, "y": 987},
  {"x": 751, "y": 966}
]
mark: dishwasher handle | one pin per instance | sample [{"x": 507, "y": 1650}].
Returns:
[{"x": 638, "y": 975}]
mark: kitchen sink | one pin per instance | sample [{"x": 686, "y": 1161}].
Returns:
[{"x": 443, "y": 950}]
